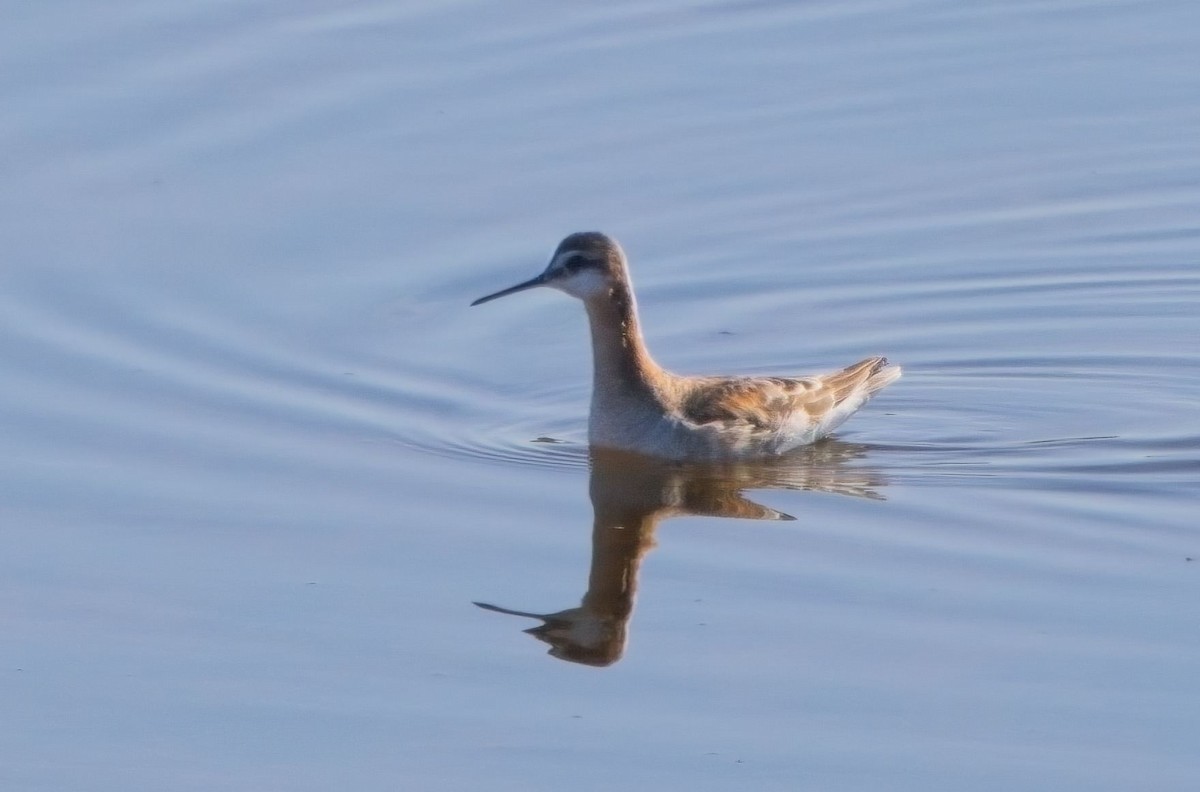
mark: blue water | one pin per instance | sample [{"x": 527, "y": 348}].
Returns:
[{"x": 259, "y": 458}]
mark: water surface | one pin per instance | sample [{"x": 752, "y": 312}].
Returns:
[{"x": 260, "y": 458}]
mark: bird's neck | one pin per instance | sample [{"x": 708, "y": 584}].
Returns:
[{"x": 621, "y": 365}]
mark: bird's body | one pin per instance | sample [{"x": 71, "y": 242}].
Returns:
[{"x": 639, "y": 406}]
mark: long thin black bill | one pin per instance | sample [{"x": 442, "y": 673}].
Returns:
[
  {"x": 529, "y": 284},
  {"x": 509, "y": 611}
]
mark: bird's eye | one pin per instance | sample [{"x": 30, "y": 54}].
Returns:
[{"x": 574, "y": 263}]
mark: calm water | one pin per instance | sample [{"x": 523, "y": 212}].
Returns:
[{"x": 259, "y": 458}]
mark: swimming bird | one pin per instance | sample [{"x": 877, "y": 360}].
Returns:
[{"x": 639, "y": 406}]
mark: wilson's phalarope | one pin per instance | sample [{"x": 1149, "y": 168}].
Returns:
[{"x": 639, "y": 406}]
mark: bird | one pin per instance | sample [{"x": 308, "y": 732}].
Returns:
[{"x": 640, "y": 407}]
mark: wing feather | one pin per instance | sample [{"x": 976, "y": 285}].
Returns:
[{"x": 770, "y": 403}]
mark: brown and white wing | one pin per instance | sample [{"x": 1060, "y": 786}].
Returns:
[{"x": 775, "y": 404}]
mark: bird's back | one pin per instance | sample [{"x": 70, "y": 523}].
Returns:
[{"x": 774, "y": 414}]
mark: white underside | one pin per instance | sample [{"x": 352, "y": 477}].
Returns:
[{"x": 644, "y": 430}]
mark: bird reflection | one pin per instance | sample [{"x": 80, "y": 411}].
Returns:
[{"x": 631, "y": 494}]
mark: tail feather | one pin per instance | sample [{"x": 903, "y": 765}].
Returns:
[
  {"x": 883, "y": 376},
  {"x": 866, "y": 375}
]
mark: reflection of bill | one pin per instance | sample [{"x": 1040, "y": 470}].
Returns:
[{"x": 632, "y": 494}]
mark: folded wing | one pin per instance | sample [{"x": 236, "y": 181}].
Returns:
[{"x": 771, "y": 404}]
